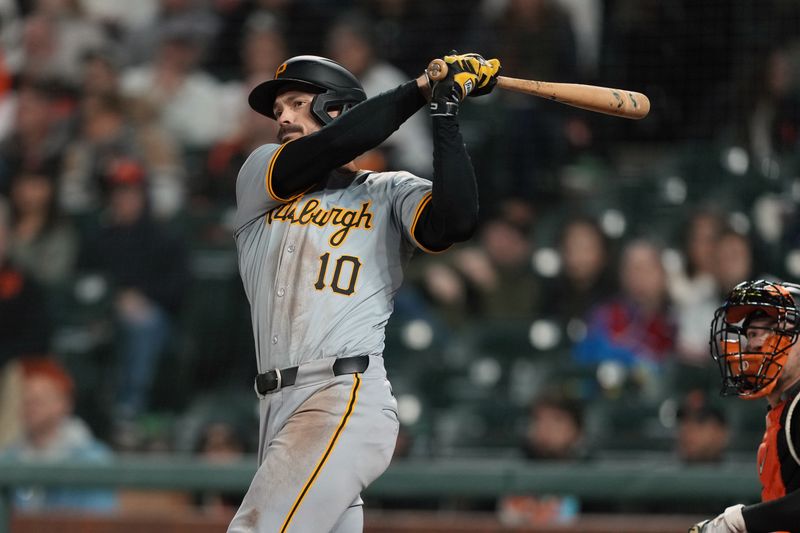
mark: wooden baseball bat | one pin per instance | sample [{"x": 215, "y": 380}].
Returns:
[{"x": 617, "y": 102}]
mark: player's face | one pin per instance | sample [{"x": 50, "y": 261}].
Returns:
[
  {"x": 758, "y": 334},
  {"x": 293, "y": 112},
  {"x": 758, "y": 331}
]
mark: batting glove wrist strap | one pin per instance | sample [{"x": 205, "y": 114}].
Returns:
[
  {"x": 445, "y": 99},
  {"x": 443, "y": 109}
]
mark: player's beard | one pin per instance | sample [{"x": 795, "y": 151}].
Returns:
[{"x": 287, "y": 129}]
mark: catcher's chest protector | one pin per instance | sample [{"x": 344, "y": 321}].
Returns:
[{"x": 778, "y": 465}]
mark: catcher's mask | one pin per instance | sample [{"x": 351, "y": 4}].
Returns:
[
  {"x": 334, "y": 86},
  {"x": 751, "y": 335}
]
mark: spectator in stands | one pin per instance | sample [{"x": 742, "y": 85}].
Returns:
[
  {"x": 232, "y": 17},
  {"x": 733, "y": 260},
  {"x": 146, "y": 266},
  {"x": 37, "y": 139},
  {"x": 703, "y": 433},
  {"x": 555, "y": 429},
  {"x": 51, "y": 433},
  {"x": 635, "y": 327},
  {"x": 263, "y": 48},
  {"x": 10, "y": 402},
  {"x": 352, "y": 42},
  {"x": 490, "y": 280},
  {"x": 221, "y": 442},
  {"x": 554, "y": 432},
  {"x": 174, "y": 88},
  {"x": 42, "y": 243},
  {"x": 765, "y": 114},
  {"x": 100, "y": 73},
  {"x": 142, "y": 43},
  {"x": 7, "y": 99},
  {"x": 694, "y": 289},
  {"x": 107, "y": 133},
  {"x": 499, "y": 272},
  {"x": 583, "y": 281},
  {"x": 55, "y": 39},
  {"x": 23, "y": 315},
  {"x": 24, "y": 328}
]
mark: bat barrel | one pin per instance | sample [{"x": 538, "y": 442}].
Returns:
[{"x": 616, "y": 102}]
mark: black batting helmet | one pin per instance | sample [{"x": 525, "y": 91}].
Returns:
[{"x": 335, "y": 86}]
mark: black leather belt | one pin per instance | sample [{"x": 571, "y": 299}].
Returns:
[{"x": 279, "y": 378}]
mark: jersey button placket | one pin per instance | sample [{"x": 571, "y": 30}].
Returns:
[{"x": 281, "y": 291}]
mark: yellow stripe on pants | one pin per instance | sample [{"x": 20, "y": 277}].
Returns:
[{"x": 345, "y": 417}]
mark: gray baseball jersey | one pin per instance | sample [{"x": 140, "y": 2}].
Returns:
[{"x": 320, "y": 271}]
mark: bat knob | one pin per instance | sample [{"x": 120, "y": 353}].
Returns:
[{"x": 437, "y": 70}]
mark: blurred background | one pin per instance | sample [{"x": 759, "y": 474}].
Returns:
[{"x": 567, "y": 342}]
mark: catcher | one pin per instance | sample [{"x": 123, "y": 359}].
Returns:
[{"x": 754, "y": 341}]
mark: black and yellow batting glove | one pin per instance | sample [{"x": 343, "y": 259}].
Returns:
[{"x": 464, "y": 66}]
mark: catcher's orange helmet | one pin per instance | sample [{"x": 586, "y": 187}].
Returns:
[{"x": 761, "y": 310}]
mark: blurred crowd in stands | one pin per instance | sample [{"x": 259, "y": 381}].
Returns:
[{"x": 604, "y": 247}]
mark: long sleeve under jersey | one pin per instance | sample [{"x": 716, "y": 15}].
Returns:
[{"x": 451, "y": 214}]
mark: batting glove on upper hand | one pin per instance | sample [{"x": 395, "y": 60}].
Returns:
[
  {"x": 731, "y": 521},
  {"x": 467, "y": 75},
  {"x": 485, "y": 71}
]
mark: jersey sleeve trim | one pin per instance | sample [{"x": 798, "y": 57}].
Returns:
[
  {"x": 788, "y": 429},
  {"x": 268, "y": 178},
  {"x": 420, "y": 207}
]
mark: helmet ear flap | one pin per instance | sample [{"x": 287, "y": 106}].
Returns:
[{"x": 324, "y": 102}]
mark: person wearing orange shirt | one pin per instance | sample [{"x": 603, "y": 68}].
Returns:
[{"x": 754, "y": 338}]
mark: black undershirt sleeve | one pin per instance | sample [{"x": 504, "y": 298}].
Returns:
[
  {"x": 782, "y": 514},
  {"x": 452, "y": 214},
  {"x": 305, "y": 162}
]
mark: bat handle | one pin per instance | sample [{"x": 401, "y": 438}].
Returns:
[{"x": 437, "y": 70}]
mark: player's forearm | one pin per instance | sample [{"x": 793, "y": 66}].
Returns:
[
  {"x": 306, "y": 161},
  {"x": 452, "y": 214},
  {"x": 782, "y": 514}
]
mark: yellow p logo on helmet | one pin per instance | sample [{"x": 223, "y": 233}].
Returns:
[{"x": 280, "y": 70}]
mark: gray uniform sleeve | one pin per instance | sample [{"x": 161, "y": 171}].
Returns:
[
  {"x": 253, "y": 191},
  {"x": 409, "y": 195}
]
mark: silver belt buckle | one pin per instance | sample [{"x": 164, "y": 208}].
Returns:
[
  {"x": 277, "y": 386},
  {"x": 255, "y": 388}
]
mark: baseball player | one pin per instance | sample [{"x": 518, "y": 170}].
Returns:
[
  {"x": 322, "y": 245},
  {"x": 754, "y": 341}
]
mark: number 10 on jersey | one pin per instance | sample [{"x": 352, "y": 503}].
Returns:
[{"x": 344, "y": 264}]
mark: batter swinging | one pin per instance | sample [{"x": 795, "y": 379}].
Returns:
[{"x": 322, "y": 246}]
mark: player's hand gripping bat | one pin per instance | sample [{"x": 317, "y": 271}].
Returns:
[{"x": 617, "y": 102}]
